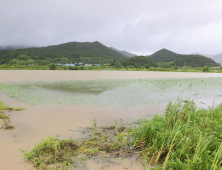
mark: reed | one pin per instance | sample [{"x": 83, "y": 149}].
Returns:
[{"x": 184, "y": 138}]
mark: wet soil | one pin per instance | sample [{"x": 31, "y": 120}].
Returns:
[{"x": 59, "y": 75}]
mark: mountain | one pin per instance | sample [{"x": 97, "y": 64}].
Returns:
[
  {"x": 93, "y": 52},
  {"x": 206, "y": 55},
  {"x": 125, "y": 53},
  {"x": 217, "y": 58},
  {"x": 11, "y": 47},
  {"x": 165, "y": 56}
]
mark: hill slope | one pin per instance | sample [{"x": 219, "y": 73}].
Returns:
[
  {"x": 171, "y": 58},
  {"x": 70, "y": 52},
  {"x": 125, "y": 53},
  {"x": 164, "y": 55}
]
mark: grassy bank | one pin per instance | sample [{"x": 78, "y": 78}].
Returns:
[
  {"x": 5, "y": 118},
  {"x": 184, "y": 138},
  {"x": 106, "y": 67}
]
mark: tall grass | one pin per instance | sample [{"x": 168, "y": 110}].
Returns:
[{"x": 184, "y": 138}]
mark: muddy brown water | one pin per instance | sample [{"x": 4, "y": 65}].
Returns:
[{"x": 37, "y": 122}]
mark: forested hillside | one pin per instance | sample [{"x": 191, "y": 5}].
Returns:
[
  {"x": 170, "y": 58},
  {"x": 67, "y": 52},
  {"x": 137, "y": 62},
  {"x": 164, "y": 55}
]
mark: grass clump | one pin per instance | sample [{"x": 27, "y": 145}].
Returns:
[
  {"x": 184, "y": 138},
  {"x": 52, "y": 151},
  {"x": 5, "y": 118},
  {"x": 59, "y": 153}
]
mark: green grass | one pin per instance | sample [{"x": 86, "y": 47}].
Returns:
[
  {"x": 185, "y": 137},
  {"x": 65, "y": 154},
  {"x": 5, "y": 118}
]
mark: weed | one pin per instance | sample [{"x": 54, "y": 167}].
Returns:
[
  {"x": 5, "y": 118},
  {"x": 185, "y": 138}
]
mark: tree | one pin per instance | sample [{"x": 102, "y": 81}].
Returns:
[{"x": 64, "y": 60}]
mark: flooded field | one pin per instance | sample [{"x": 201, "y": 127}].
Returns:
[{"x": 63, "y": 102}]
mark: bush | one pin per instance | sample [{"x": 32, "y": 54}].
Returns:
[
  {"x": 147, "y": 66},
  {"x": 75, "y": 68},
  {"x": 175, "y": 68},
  {"x": 118, "y": 66},
  {"x": 206, "y": 69},
  {"x": 52, "y": 66}
]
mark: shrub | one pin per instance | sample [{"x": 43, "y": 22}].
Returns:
[
  {"x": 52, "y": 66},
  {"x": 206, "y": 69},
  {"x": 147, "y": 66}
]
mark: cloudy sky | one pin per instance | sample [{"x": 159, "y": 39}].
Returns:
[{"x": 137, "y": 26}]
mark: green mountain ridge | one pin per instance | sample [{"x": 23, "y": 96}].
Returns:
[
  {"x": 216, "y": 57},
  {"x": 93, "y": 52},
  {"x": 170, "y": 58}
]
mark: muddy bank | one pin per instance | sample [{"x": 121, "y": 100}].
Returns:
[{"x": 59, "y": 75}]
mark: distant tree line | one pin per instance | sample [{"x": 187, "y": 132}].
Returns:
[{"x": 137, "y": 61}]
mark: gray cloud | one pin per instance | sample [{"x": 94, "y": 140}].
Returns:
[{"x": 139, "y": 26}]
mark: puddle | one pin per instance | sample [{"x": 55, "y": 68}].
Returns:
[
  {"x": 37, "y": 122},
  {"x": 113, "y": 164}
]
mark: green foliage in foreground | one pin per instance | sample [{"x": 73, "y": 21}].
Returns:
[{"x": 185, "y": 138}]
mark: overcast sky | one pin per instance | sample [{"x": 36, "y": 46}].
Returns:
[{"x": 137, "y": 26}]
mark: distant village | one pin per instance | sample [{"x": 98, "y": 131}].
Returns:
[{"x": 77, "y": 64}]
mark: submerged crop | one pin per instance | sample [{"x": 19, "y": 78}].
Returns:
[
  {"x": 118, "y": 93},
  {"x": 5, "y": 118}
]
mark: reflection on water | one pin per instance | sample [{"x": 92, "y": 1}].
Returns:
[
  {"x": 37, "y": 122},
  {"x": 115, "y": 93}
]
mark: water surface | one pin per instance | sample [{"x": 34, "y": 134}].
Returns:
[{"x": 63, "y": 102}]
